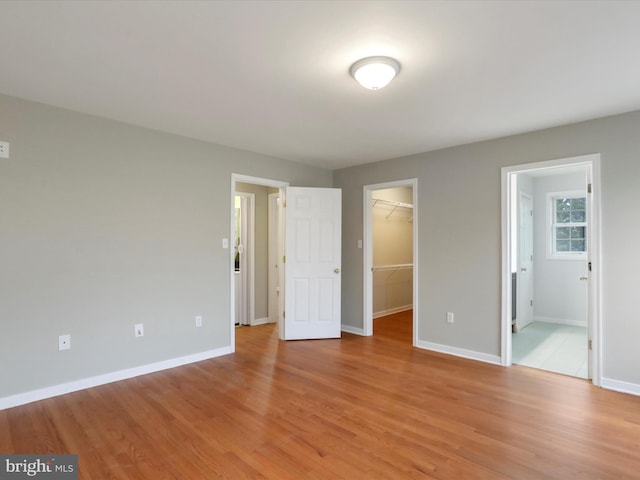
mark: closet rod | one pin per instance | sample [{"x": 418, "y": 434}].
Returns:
[
  {"x": 393, "y": 203},
  {"x": 397, "y": 266}
]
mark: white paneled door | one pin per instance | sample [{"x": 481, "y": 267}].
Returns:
[
  {"x": 313, "y": 263},
  {"x": 524, "y": 307}
]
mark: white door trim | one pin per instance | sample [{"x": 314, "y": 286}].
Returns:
[
  {"x": 368, "y": 252},
  {"x": 236, "y": 177},
  {"x": 274, "y": 256},
  {"x": 592, "y": 161}
]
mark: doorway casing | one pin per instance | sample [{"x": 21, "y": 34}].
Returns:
[
  {"x": 594, "y": 308},
  {"x": 368, "y": 252}
]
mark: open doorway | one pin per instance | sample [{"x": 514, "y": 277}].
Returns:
[
  {"x": 551, "y": 288},
  {"x": 256, "y": 251},
  {"x": 390, "y": 253},
  {"x": 550, "y": 272},
  {"x": 311, "y": 231}
]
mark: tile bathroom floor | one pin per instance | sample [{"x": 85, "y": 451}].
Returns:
[{"x": 553, "y": 347}]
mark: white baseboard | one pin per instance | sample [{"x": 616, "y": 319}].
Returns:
[
  {"x": 350, "y": 329},
  {"x": 618, "y": 386},
  {"x": 391, "y": 311},
  {"x": 260, "y": 321},
  {"x": 460, "y": 352},
  {"x": 55, "y": 390},
  {"x": 561, "y": 321}
]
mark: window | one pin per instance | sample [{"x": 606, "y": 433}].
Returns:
[{"x": 568, "y": 235}]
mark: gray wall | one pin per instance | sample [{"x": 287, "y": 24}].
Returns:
[
  {"x": 459, "y": 234},
  {"x": 103, "y": 225}
]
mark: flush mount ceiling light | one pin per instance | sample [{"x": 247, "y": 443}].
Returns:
[{"x": 374, "y": 72}]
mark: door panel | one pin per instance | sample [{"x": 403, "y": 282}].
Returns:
[
  {"x": 525, "y": 262},
  {"x": 313, "y": 260}
]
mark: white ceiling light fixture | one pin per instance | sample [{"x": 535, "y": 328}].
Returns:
[{"x": 375, "y": 73}]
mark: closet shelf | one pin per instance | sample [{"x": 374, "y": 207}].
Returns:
[
  {"x": 394, "y": 204},
  {"x": 397, "y": 266}
]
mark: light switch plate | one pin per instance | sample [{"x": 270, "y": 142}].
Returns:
[
  {"x": 139, "y": 330},
  {"x": 64, "y": 342},
  {"x": 4, "y": 149}
]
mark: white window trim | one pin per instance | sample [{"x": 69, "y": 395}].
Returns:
[{"x": 552, "y": 254}]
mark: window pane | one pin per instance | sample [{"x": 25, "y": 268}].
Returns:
[
  {"x": 562, "y": 233},
  {"x": 563, "y": 204},
  {"x": 577, "y": 246},
  {"x": 578, "y": 216},
  {"x": 578, "y": 203},
  {"x": 570, "y": 229},
  {"x": 577, "y": 232}
]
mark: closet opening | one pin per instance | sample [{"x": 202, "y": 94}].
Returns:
[{"x": 391, "y": 258}]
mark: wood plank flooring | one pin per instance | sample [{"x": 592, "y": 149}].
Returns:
[{"x": 355, "y": 408}]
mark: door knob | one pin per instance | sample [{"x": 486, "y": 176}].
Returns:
[
  {"x": 523, "y": 269},
  {"x": 583, "y": 278},
  {"x": 336, "y": 270}
]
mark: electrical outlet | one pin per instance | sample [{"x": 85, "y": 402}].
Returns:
[
  {"x": 449, "y": 317},
  {"x": 4, "y": 149},
  {"x": 64, "y": 342},
  {"x": 139, "y": 329},
  {"x": 198, "y": 320}
]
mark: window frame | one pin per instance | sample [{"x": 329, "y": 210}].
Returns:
[{"x": 552, "y": 226}]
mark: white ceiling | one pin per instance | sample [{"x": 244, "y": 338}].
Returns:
[{"x": 272, "y": 77}]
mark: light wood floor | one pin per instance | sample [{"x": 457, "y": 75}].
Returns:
[{"x": 354, "y": 408}]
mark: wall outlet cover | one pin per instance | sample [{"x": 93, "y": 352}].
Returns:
[{"x": 4, "y": 149}]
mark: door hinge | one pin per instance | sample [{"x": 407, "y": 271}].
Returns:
[
  {"x": 531, "y": 303},
  {"x": 284, "y": 314},
  {"x": 588, "y": 188},
  {"x": 531, "y": 212},
  {"x": 589, "y": 266},
  {"x": 284, "y": 204},
  {"x": 284, "y": 259},
  {"x": 590, "y": 344}
]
